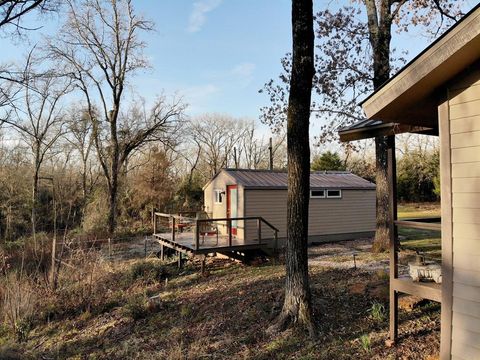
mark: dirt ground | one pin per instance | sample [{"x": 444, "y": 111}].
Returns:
[{"x": 225, "y": 312}]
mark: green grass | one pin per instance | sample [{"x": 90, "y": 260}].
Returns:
[
  {"x": 418, "y": 210},
  {"x": 423, "y": 241}
]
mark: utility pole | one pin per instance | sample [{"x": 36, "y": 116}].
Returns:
[
  {"x": 235, "y": 157},
  {"x": 270, "y": 150}
]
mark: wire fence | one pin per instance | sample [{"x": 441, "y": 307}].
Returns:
[{"x": 110, "y": 249}]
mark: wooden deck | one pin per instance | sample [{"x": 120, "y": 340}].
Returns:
[
  {"x": 193, "y": 236},
  {"x": 185, "y": 242}
]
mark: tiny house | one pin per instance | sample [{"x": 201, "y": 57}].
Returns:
[{"x": 342, "y": 205}]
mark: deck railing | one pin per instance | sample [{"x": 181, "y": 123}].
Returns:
[
  {"x": 430, "y": 223},
  {"x": 179, "y": 223}
]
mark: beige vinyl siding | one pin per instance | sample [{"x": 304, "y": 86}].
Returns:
[
  {"x": 464, "y": 113},
  {"x": 354, "y": 212},
  {"x": 269, "y": 204},
  {"x": 218, "y": 211}
]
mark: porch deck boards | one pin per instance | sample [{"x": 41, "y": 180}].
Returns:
[
  {"x": 185, "y": 242},
  {"x": 425, "y": 290}
]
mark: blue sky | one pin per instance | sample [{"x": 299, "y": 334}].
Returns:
[{"x": 217, "y": 54}]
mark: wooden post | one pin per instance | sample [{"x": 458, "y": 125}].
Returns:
[
  {"x": 145, "y": 246},
  {"x": 392, "y": 184},
  {"x": 179, "y": 259},
  {"x": 162, "y": 252},
  {"x": 447, "y": 231},
  {"x": 259, "y": 230},
  {"x": 229, "y": 227},
  {"x": 197, "y": 234},
  {"x": 276, "y": 241},
  {"x": 109, "y": 248},
  {"x": 154, "y": 222},
  {"x": 173, "y": 228},
  {"x": 204, "y": 257}
]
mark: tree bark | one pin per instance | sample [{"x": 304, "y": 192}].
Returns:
[
  {"x": 112, "y": 211},
  {"x": 297, "y": 307},
  {"x": 379, "y": 24},
  {"x": 36, "y": 175},
  {"x": 382, "y": 232}
]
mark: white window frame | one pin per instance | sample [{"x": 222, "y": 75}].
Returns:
[
  {"x": 218, "y": 196},
  {"x": 339, "y": 196},
  {"x": 318, "y": 196}
]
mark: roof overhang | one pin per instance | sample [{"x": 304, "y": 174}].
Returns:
[
  {"x": 365, "y": 130},
  {"x": 413, "y": 95}
]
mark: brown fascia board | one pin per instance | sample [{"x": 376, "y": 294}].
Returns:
[
  {"x": 383, "y": 130},
  {"x": 445, "y": 58}
]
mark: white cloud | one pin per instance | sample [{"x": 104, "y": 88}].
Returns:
[
  {"x": 244, "y": 69},
  {"x": 198, "y": 16},
  {"x": 244, "y": 73},
  {"x": 198, "y": 97}
]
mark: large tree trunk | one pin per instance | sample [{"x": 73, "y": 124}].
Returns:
[
  {"x": 379, "y": 23},
  {"x": 112, "y": 211},
  {"x": 382, "y": 232},
  {"x": 36, "y": 175},
  {"x": 114, "y": 170},
  {"x": 297, "y": 307}
]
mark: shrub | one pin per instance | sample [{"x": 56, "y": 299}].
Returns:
[
  {"x": 95, "y": 219},
  {"x": 17, "y": 304},
  {"x": 136, "y": 307},
  {"x": 150, "y": 272}
]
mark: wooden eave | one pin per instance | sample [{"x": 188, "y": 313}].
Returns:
[
  {"x": 368, "y": 132},
  {"x": 413, "y": 95}
]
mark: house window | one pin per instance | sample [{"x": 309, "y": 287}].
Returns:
[
  {"x": 334, "y": 194},
  {"x": 317, "y": 193},
  {"x": 218, "y": 196}
]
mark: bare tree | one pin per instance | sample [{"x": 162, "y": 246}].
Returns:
[
  {"x": 297, "y": 306},
  {"x": 79, "y": 126},
  {"x": 253, "y": 149},
  {"x": 355, "y": 57},
  {"x": 217, "y": 135},
  {"x": 100, "y": 48},
  {"x": 39, "y": 119},
  {"x": 12, "y": 11},
  {"x": 254, "y": 152}
]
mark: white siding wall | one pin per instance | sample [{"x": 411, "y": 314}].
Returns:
[
  {"x": 464, "y": 114},
  {"x": 220, "y": 210}
]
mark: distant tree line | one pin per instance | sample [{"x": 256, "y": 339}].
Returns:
[{"x": 417, "y": 172}]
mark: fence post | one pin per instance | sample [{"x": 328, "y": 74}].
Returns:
[
  {"x": 173, "y": 228},
  {"x": 276, "y": 241},
  {"x": 179, "y": 259},
  {"x": 229, "y": 232},
  {"x": 197, "y": 234},
  {"x": 145, "y": 246},
  {"x": 259, "y": 230},
  {"x": 109, "y": 248}
]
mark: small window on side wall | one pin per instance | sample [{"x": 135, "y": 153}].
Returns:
[
  {"x": 334, "y": 194},
  {"x": 319, "y": 194},
  {"x": 218, "y": 196}
]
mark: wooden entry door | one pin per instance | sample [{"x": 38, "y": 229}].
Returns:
[{"x": 232, "y": 206}]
